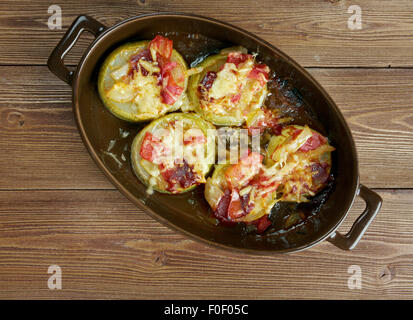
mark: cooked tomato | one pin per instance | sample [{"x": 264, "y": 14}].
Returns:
[
  {"x": 263, "y": 224},
  {"x": 151, "y": 147},
  {"x": 181, "y": 176},
  {"x": 167, "y": 67},
  {"x": 195, "y": 139},
  {"x": 235, "y": 208},
  {"x": 235, "y": 98},
  {"x": 207, "y": 81},
  {"x": 313, "y": 142},
  {"x": 237, "y": 57},
  {"x": 163, "y": 46},
  {"x": 241, "y": 173},
  {"x": 170, "y": 91},
  {"x": 260, "y": 72}
]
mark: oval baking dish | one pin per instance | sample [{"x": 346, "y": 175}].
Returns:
[{"x": 108, "y": 138}]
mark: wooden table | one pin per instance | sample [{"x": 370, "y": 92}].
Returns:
[{"x": 57, "y": 208}]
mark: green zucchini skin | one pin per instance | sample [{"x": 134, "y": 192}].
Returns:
[
  {"x": 213, "y": 63},
  {"x": 136, "y": 158},
  {"x": 126, "y": 51}
]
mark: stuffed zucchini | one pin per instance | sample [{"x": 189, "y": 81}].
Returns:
[
  {"x": 296, "y": 166},
  {"x": 174, "y": 153},
  {"x": 228, "y": 87},
  {"x": 241, "y": 192},
  {"x": 305, "y": 157},
  {"x": 143, "y": 80}
]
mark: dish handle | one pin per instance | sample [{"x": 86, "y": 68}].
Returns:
[
  {"x": 55, "y": 61},
  {"x": 350, "y": 240}
]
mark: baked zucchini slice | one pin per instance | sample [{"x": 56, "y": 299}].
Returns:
[
  {"x": 241, "y": 192},
  {"x": 143, "y": 80},
  {"x": 229, "y": 86},
  {"x": 304, "y": 157},
  {"x": 296, "y": 166},
  {"x": 173, "y": 154}
]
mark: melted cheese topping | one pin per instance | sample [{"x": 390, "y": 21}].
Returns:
[
  {"x": 227, "y": 83},
  {"x": 230, "y": 82},
  {"x": 173, "y": 137},
  {"x": 292, "y": 167},
  {"x": 288, "y": 172},
  {"x": 147, "y": 99},
  {"x": 142, "y": 92}
]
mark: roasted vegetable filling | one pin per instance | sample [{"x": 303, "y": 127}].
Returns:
[
  {"x": 229, "y": 86},
  {"x": 143, "y": 80},
  {"x": 233, "y": 89},
  {"x": 173, "y": 153},
  {"x": 297, "y": 165}
]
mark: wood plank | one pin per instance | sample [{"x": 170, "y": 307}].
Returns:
[
  {"x": 109, "y": 249},
  {"x": 42, "y": 148},
  {"x": 377, "y": 105},
  {"x": 39, "y": 138},
  {"x": 313, "y": 32}
]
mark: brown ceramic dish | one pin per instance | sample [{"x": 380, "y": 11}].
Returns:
[{"x": 108, "y": 139}]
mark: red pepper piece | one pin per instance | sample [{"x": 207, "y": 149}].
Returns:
[
  {"x": 182, "y": 175},
  {"x": 313, "y": 142},
  {"x": 162, "y": 45},
  {"x": 260, "y": 72},
  {"x": 237, "y": 58},
  {"x": 263, "y": 224}
]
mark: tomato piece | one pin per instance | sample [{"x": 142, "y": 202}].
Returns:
[
  {"x": 134, "y": 62},
  {"x": 296, "y": 133},
  {"x": 221, "y": 211},
  {"x": 168, "y": 67},
  {"x": 245, "y": 203},
  {"x": 235, "y": 98},
  {"x": 147, "y": 151},
  {"x": 235, "y": 209},
  {"x": 241, "y": 173},
  {"x": 263, "y": 224},
  {"x": 152, "y": 148},
  {"x": 260, "y": 181},
  {"x": 237, "y": 57},
  {"x": 167, "y": 98},
  {"x": 207, "y": 81},
  {"x": 313, "y": 142},
  {"x": 170, "y": 91},
  {"x": 195, "y": 140},
  {"x": 181, "y": 175},
  {"x": 162, "y": 45},
  {"x": 260, "y": 72}
]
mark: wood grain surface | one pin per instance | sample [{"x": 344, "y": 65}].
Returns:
[
  {"x": 314, "y": 32},
  {"x": 107, "y": 248},
  {"x": 56, "y": 207}
]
